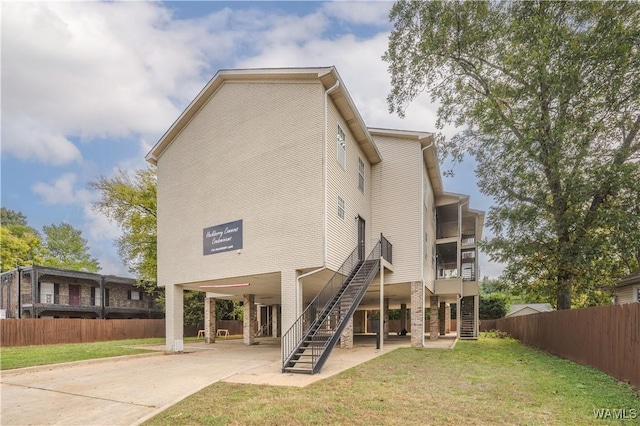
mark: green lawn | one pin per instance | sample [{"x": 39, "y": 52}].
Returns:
[
  {"x": 29, "y": 356},
  {"x": 491, "y": 381}
]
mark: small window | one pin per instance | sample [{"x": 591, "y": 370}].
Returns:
[
  {"x": 135, "y": 295},
  {"x": 340, "y": 208},
  {"x": 342, "y": 148},
  {"x": 360, "y": 174}
]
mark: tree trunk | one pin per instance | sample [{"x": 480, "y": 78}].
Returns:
[{"x": 564, "y": 290}]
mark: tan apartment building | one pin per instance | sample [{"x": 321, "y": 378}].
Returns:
[
  {"x": 273, "y": 191},
  {"x": 44, "y": 292}
]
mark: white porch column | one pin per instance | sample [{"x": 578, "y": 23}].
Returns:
[
  {"x": 174, "y": 321},
  {"x": 291, "y": 296}
]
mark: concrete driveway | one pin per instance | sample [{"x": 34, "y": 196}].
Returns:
[
  {"x": 124, "y": 390},
  {"x": 129, "y": 390}
]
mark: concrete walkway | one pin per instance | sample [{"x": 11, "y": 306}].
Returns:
[{"x": 129, "y": 390}]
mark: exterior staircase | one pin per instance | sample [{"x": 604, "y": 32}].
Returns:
[
  {"x": 467, "y": 316},
  {"x": 306, "y": 346}
]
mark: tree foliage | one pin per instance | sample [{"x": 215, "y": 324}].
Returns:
[
  {"x": 66, "y": 249},
  {"x": 130, "y": 201},
  {"x": 547, "y": 95},
  {"x": 493, "y": 306},
  {"x": 62, "y": 246},
  {"x": 12, "y": 218},
  {"x": 20, "y": 244}
]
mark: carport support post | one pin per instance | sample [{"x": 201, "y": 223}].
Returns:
[
  {"x": 447, "y": 318},
  {"x": 442, "y": 319},
  {"x": 403, "y": 316},
  {"x": 386, "y": 319},
  {"x": 210, "y": 320},
  {"x": 291, "y": 289},
  {"x": 249, "y": 319},
  {"x": 417, "y": 314},
  {"x": 433, "y": 318},
  {"x": 274, "y": 320},
  {"x": 174, "y": 321},
  {"x": 346, "y": 339}
]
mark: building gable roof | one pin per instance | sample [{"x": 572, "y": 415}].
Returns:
[
  {"x": 328, "y": 76},
  {"x": 536, "y": 307},
  {"x": 629, "y": 280}
]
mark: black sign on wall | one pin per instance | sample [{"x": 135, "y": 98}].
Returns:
[{"x": 221, "y": 238}]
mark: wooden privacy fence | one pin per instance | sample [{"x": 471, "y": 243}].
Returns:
[
  {"x": 44, "y": 331},
  {"x": 603, "y": 337},
  {"x": 234, "y": 326}
]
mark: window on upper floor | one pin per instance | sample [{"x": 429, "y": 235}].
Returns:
[
  {"x": 342, "y": 148},
  {"x": 95, "y": 296},
  {"x": 341, "y": 208},
  {"x": 134, "y": 295},
  {"x": 361, "y": 175}
]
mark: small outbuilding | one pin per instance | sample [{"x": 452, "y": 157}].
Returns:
[
  {"x": 528, "y": 309},
  {"x": 627, "y": 290}
]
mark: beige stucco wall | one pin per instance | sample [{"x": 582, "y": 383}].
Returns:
[
  {"x": 253, "y": 152},
  {"x": 396, "y": 205},
  {"x": 342, "y": 235}
]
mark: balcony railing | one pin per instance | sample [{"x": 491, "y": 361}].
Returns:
[
  {"x": 75, "y": 301},
  {"x": 386, "y": 249}
]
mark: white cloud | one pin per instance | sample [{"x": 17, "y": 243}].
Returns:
[
  {"x": 27, "y": 137},
  {"x": 86, "y": 70},
  {"x": 62, "y": 191},
  {"x": 357, "y": 12}
]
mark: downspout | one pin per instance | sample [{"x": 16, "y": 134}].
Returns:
[
  {"x": 299, "y": 289},
  {"x": 326, "y": 198},
  {"x": 325, "y": 166}
]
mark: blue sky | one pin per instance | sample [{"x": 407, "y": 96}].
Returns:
[{"x": 89, "y": 87}]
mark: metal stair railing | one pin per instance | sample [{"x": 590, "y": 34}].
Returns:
[
  {"x": 325, "y": 327},
  {"x": 336, "y": 320},
  {"x": 297, "y": 332},
  {"x": 262, "y": 331}
]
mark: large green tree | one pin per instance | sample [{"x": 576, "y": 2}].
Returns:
[
  {"x": 20, "y": 244},
  {"x": 547, "y": 95},
  {"x": 65, "y": 248},
  {"x": 130, "y": 201}
]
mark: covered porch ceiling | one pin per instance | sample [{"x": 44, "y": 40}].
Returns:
[{"x": 267, "y": 290}]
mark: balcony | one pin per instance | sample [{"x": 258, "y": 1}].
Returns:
[
  {"x": 133, "y": 304},
  {"x": 51, "y": 302}
]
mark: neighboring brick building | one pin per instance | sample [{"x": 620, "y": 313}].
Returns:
[
  {"x": 43, "y": 292},
  {"x": 270, "y": 179}
]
